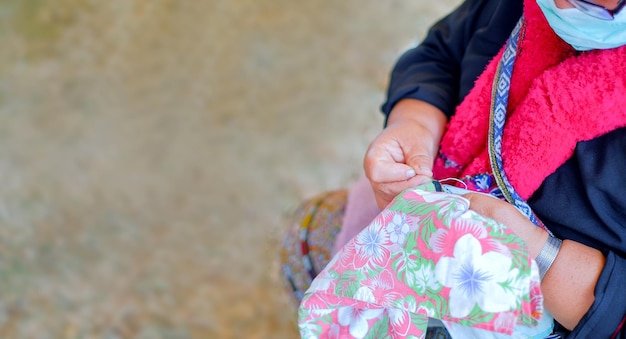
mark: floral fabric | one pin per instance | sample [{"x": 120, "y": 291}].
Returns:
[{"x": 424, "y": 256}]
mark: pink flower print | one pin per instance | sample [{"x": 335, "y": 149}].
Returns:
[
  {"x": 383, "y": 288},
  {"x": 535, "y": 306},
  {"x": 390, "y": 297},
  {"x": 398, "y": 228},
  {"x": 444, "y": 239},
  {"x": 357, "y": 319},
  {"x": 346, "y": 255},
  {"x": 400, "y": 321},
  {"x": 505, "y": 321},
  {"x": 382, "y": 281},
  {"x": 317, "y": 304}
]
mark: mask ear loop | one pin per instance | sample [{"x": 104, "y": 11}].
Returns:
[{"x": 442, "y": 181}]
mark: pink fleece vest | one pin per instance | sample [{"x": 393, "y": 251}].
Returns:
[{"x": 557, "y": 99}]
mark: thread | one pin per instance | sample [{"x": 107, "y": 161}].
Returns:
[{"x": 442, "y": 181}]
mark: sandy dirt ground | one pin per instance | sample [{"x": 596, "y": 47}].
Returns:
[{"x": 150, "y": 152}]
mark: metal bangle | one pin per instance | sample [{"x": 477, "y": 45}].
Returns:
[{"x": 548, "y": 253}]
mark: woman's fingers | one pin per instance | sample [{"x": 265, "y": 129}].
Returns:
[
  {"x": 385, "y": 192},
  {"x": 492, "y": 207},
  {"x": 387, "y": 172},
  {"x": 388, "y": 160},
  {"x": 389, "y": 175},
  {"x": 400, "y": 157}
]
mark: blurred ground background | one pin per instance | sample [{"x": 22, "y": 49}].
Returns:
[{"x": 150, "y": 152}]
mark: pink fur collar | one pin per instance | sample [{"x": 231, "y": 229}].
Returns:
[{"x": 557, "y": 99}]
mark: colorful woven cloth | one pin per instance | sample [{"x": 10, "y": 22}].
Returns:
[
  {"x": 425, "y": 255},
  {"x": 306, "y": 249}
]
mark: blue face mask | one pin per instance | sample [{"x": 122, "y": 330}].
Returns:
[{"x": 584, "y": 32}]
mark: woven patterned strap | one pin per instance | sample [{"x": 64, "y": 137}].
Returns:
[{"x": 499, "y": 100}]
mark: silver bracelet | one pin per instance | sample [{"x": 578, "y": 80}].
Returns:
[{"x": 547, "y": 255}]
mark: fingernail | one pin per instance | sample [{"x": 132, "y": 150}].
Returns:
[{"x": 410, "y": 173}]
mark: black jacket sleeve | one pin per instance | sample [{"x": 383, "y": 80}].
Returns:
[
  {"x": 584, "y": 201},
  {"x": 442, "y": 69},
  {"x": 605, "y": 318}
]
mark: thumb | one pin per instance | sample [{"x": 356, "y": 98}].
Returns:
[{"x": 422, "y": 163}]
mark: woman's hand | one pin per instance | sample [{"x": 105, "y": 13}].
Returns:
[
  {"x": 507, "y": 214},
  {"x": 402, "y": 155},
  {"x": 568, "y": 286}
]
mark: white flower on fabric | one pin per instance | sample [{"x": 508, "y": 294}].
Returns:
[
  {"x": 357, "y": 319},
  {"x": 364, "y": 293},
  {"x": 398, "y": 228},
  {"x": 370, "y": 242},
  {"x": 474, "y": 278}
]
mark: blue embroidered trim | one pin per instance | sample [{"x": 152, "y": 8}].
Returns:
[{"x": 500, "y": 100}]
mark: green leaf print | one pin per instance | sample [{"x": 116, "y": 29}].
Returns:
[
  {"x": 420, "y": 276},
  {"x": 413, "y": 207},
  {"x": 399, "y": 265},
  {"x": 349, "y": 282},
  {"x": 520, "y": 260},
  {"x": 428, "y": 228},
  {"x": 420, "y": 321},
  {"x": 439, "y": 304},
  {"x": 379, "y": 329},
  {"x": 477, "y": 316}
]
